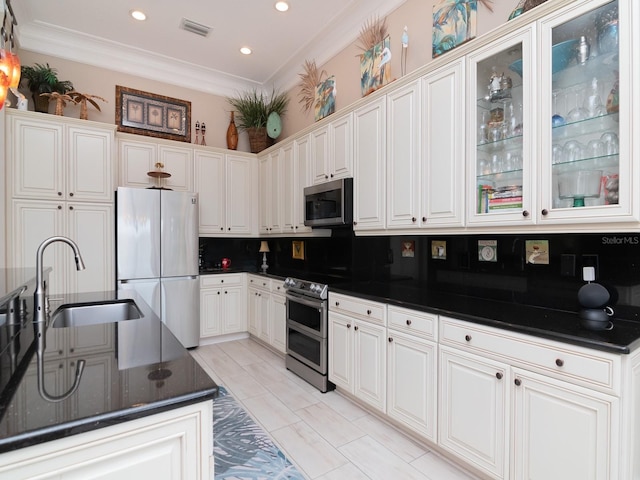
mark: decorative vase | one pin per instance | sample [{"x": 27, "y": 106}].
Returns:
[
  {"x": 257, "y": 138},
  {"x": 232, "y": 134}
]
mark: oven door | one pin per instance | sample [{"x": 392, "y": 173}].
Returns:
[
  {"x": 309, "y": 349},
  {"x": 307, "y": 314}
]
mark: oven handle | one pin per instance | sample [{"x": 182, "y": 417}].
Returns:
[{"x": 304, "y": 300}]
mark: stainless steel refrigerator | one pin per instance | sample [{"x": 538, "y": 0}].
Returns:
[{"x": 157, "y": 255}]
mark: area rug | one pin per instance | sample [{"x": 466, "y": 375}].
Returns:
[{"x": 242, "y": 449}]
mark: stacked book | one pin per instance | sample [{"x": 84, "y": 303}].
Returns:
[{"x": 492, "y": 199}]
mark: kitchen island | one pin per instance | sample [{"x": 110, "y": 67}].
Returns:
[{"x": 141, "y": 400}]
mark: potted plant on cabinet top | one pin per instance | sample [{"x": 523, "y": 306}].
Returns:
[
  {"x": 43, "y": 79},
  {"x": 253, "y": 109}
]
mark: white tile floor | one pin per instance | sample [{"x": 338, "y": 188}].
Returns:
[{"x": 326, "y": 436}]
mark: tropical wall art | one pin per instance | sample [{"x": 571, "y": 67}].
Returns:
[
  {"x": 375, "y": 67},
  {"x": 454, "y": 23},
  {"x": 325, "y": 98}
]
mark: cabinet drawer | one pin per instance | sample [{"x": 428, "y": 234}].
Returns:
[
  {"x": 260, "y": 282},
  {"x": 582, "y": 366},
  {"x": 412, "y": 321},
  {"x": 219, "y": 280},
  {"x": 357, "y": 307}
]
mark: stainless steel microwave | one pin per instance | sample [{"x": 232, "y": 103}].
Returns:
[{"x": 329, "y": 204}]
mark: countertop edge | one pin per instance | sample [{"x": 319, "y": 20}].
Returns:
[{"x": 88, "y": 424}]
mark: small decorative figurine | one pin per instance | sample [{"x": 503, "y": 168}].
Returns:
[
  {"x": 203, "y": 128},
  {"x": 197, "y": 132}
]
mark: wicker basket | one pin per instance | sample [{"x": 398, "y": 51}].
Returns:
[{"x": 257, "y": 139}]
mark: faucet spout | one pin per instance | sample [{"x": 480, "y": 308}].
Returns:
[{"x": 40, "y": 292}]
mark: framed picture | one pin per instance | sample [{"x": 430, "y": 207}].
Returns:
[
  {"x": 325, "y": 98},
  {"x": 375, "y": 67},
  {"x": 297, "y": 249},
  {"x": 145, "y": 113},
  {"x": 454, "y": 23}
]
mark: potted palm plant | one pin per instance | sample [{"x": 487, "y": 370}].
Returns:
[
  {"x": 253, "y": 109},
  {"x": 43, "y": 79}
]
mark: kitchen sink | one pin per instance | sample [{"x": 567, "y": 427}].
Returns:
[{"x": 83, "y": 314}]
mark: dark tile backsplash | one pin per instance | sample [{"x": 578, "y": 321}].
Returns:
[{"x": 458, "y": 268}]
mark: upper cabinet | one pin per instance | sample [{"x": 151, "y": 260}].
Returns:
[
  {"x": 139, "y": 156},
  {"x": 332, "y": 149},
  {"x": 500, "y": 128},
  {"x": 586, "y": 113},
  {"x": 59, "y": 159}
]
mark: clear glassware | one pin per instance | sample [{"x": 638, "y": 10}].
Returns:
[
  {"x": 483, "y": 128},
  {"x": 577, "y": 113},
  {"x": 557, "y": 153},
  {"x": 610, "y": 141},
  {"x": 593, "y": 101},
  {"x": 556, "y": 118},
  {"x": 573, "y": 151}
]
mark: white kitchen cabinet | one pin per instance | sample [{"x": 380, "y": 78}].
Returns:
[
  {"x": 226, "y": 186},
  {"x": 332, "y": 149},
  {"x": 369, "y": 127},
  {"x": 90, "y": 225},
  {"x": 302, "y": 179},
  {"x": 412, "y": 375},
  {"x": 288, "y": 185},
  {"x": 562, "y": 432},
  {"x": 278, "y": 315},
  {"x": 259, "y": 289},
  {"x": 173, "y": 445},
  {"x": 271, "y": 192},
  {"x": 223, "y": 306},
  {"x": 138, "y": 157},
  {"x": 357, "y": 348},
  {"x": 443, "y": 152},
  {"x": 473, "y": 408},
  {"x": 58, "y": 158},
  {"x": 558, "y": 404}
]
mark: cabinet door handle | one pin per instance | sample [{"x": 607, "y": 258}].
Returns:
[
  {"x": 424, "y": 219},
  {"x": 545, "y": 212},
  {"x": 467, "y": 338},
  {"x": 229, "y": 228},
  {"x": 221, "y": 229},
  {"x": 390, "y": 339},
  {"x": 218, "y": 293},
  {"x": 348, "y": 325},
  {"x": 356, "y": 327},
  {"x": 408, "y": 322},
  {"x": 225, "y": 292},
  {"x": 59, "y": 207},
  {"x": 368, "y": 312},
  {"x": 413, "y": 219},
  {"x": 355, "y": 223},
  {"x": 326, "y": 176},
  {"x": 517, "y": 382},
  {"x": 499, "y": 376},
  {"x": 332, "y": 175},
  {"x": 559, "y": 362},
  {"x": 71, "y": 194},
  {"x": 59, "y": 194},
  {"x": 337, "y": 304},
  {"x": 525, "y": 213},
  {"x": 70, "y": 207}
]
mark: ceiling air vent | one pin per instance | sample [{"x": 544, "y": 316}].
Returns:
[{"x": 194, "y": 27}]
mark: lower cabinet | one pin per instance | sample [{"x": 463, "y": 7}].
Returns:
[
  {"x": 222, "y": 304},
  {"x": 267, "y": 311},
  {"x": 278, "y": 314},
  {"x": 173, "y": 445},
  {"x": 357, "y": 351},
  {"x": 505, "y": 419}
]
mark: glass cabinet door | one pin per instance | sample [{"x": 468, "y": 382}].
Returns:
[
  {"x": 500, "y": 127},
  {"x": 585, "y": 116}
]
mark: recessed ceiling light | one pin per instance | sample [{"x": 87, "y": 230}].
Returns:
[
  {"x": 245, "y": 51},
  {"x": 282, "y": 6},
  {"x": 138, "y": 15}
]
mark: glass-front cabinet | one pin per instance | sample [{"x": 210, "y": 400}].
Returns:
[
  {"x": 501, "y": 125},
  {"x": 586, "y": 167}
]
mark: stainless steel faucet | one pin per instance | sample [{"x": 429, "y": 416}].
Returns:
[
  {"x": 40, "y": 320},
  {"x": 40, "y": 293}
]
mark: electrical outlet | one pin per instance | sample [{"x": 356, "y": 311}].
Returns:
[
  {"x": 591, "y": 260},
  {"x": 567, "y": 265}
]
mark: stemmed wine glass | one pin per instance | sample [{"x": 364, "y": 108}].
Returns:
[
  {"x": 577, "y": 113},
  {"x": 556, "y": 118}
]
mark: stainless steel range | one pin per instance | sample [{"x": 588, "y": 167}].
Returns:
[{"x": 307, "y": 336}]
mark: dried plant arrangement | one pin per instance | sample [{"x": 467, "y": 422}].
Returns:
[
  {"x": 309, "y": 80},
  {"x": 487, "y": 4},
  {"x": 373, "y": 32},
  {"x": 61, "y": 100},
  {"x": 82, "y": 99}
]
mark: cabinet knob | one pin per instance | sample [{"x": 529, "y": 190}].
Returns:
[
  {"x": 291, "y": 227},
  {"x": 467, "y": 338},
  {"x": 326, "y": 176},
  {"x": 221, "y": 229},
  {"x": 413, "y": 219},
  {"x": 424, "y": 219},
  {"x": 545, "y": 212},
  {"x": 218, "y": 293},
  {"x": 70, "y": 207},
  {"x": 559, "y": 362},
  {"x": 355, "y": 223},
  {"x": 499, "y": 376},
  {"x": 517, "y": 382},
  {"x": 337, "y": 304},
  {"x": 59, "y": 207},
  {"x": 229, "y": 228},
  {"x": 59, "y": 194},
  {"x": 348, "y": 325},
  {"x": 222, "y": 281},
  {"x": 525, "y": 213},
  {"x": 368, "y": 312},
  {"x": 71, "y": 194},
  {"x": 408, "y": 322},
  {"x": 225, "y": 292},
  {"x": 331, "y": 175},
  {"x": 390, "y": 339},
  {"x": 356, "y": 327}
]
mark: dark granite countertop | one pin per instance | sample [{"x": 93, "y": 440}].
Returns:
[
  {"x": 557, "y": 325},
  {"x": 134, "y": 368}
]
